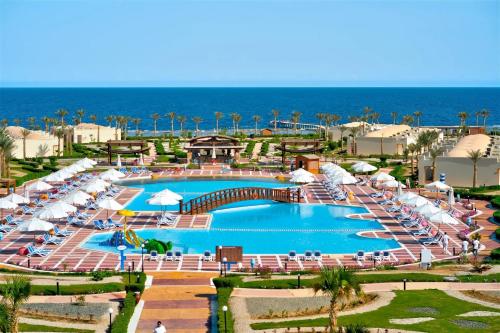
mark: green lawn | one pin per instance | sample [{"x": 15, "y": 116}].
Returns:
[
  {"x": 42, "y": 328},
  {"x": 446, "y": 310}
]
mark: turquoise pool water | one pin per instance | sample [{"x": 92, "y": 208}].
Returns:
[
  {"x": 194, "y": 187},
  {"x": 273, "y": 229}
]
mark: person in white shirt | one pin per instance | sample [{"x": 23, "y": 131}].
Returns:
[
  {"x": 446, "y": 240},
  {"x": 465, "y": 246},
  {"x": 160, "y": 328},
  {"x": 475, "y": 246}
]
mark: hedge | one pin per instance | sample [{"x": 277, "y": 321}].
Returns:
[
  {"x": 497, "y": 233},
  {"x": 120, "y": 324},
  {"x": 249, "y": 147},
  {"x": 496, "y": 201},
  {"x": 160, "y": 150},
  {"x": 50, "y": 168},
  {"x": 31, "y": 176},
  {"x": 30, "y": 168},
  {"x": 264, "y": 149},
  {"x": 495, "y": 254},
  {"x": 496, "y": 216}
]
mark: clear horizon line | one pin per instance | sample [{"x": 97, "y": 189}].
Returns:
[{"x": 245, "y": 87}]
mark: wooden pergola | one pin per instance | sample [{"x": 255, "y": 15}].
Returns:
[
  {"x": 7, "y": 183},
  {"x": 210, "y": 148},
  {"x": 309, "y": 146},
  {"x": 131, "y": 147}
]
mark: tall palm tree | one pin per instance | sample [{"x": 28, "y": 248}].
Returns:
[
  {"x": 321, "y": 117},
  {"x": 256, "y": 118},
  {"x": 366, "y": 111},
  {"x": 4, "y": 123},
  {"x": 136, "y": 122},
  {"x": 109, "y": 119},
  {"x": 354, "y": 132},
  {"x": 17, "y": 121},
  {"x": 93, "y": 119},
  {"x": 407, "y": 120},
  {"x": 275, "y": 113},
  {"x": 341, "y": 286},
  {"x": 417, "y": 115},
  {"x": 46, "y": 120},
  {"x": 171, "y": 115},
  {"x": 342, "y": 129},
  {"x": 218, "y": 116},
  {"x": 62, "y": 113},
  {"x": 474, "y": 156},
  {"x": 80, "y": 113},
  {"x": 60, "y": 135},
  {"x": 463, "y": 118},
  {"x": 16, "y": 291},
  {"x": 477, "y": 114},
  {"x": 234, "y": 116},
  {"x": 394, "y": 116},
  {"x": 237, "y": 120},
  {"x": 31, "y": 123},
  {"x": 155, "y": 117},
  {"x": 412, "y": 148},
  {"x": 295, "y": 119},
  {"x": 181, "y": 119},
  {"x": 197, "y": 121},
  {"x": 434, "y": 153},
  {"x": 25, "y": 133},
  {"x": 485, "y": 113},
  {"x": 6, "y": 147}
]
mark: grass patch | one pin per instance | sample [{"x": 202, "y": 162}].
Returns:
[
  {"x": 223, "y": 295},
  {"x": 446, "y": 310},
  {"x": 41, "y": 328},
  {"x": 76, "y": 289}
]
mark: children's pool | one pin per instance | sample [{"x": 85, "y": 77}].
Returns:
[{"x": 262, "y": 227}]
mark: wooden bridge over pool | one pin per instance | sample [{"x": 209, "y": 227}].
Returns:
[{"x": 212, "y": 200}]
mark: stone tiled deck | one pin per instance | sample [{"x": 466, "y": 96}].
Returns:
[{"x": 70, "y": 256}]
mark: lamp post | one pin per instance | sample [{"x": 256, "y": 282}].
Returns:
[
  {"x": 129, "y": 268},
  {"x": 142, "y": 257},
  {"x": 224, "y": 260},
  {"x": 220, "y": 257},
  {"x": 298, "y": 281},
  {"x": 224, "y": 309},
  {"x": 110, "y": 311}
]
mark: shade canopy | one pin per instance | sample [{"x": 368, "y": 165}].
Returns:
[
  {"x": 443, "y": 217},
  {"x": 393, "y": 184},
  {"x": 85, "y": 164},
  {"x": 364, "y": 167},
  {"x": 162, "y": 201},
  {"x": 451, "y": 197},
  {"x": 168, "y": 193},
  {"x": 75, "y": 167},
  {"x": 406, "y": 196},
  {"x": 417, "y": 201},
  {"x": 381, "y": 177},
  {"x": 35, "y": 224},
  {"x": 111, "y": 174},
  {"x": 54, "y": 177},
  {"x": 302, "y": 179},
  {"x": 7, "y": 204},
  {"x": 428, "y": 209},
  {"x": 39, "y": 186},
  {"x": 437, "y": 186},
  {"x": 109, "y": 203},
  {"x": 301, "y": 172},
  {"x": 335, "y": 172},
  {"x": 344, "y": 179},
  {"x": 97, "y": 185},
  {"x": 328, "y": 165},
  {"x": 16, "y": 198},
  {"x": 52, "y": 212},
  {"x": 77, "y": 198},
  {"x": 88, "y": 160}
]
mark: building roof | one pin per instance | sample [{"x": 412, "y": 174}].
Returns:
[
  {"x": 355, "y": 124},
  {"x": 468, "y": 143},
  {"x": 15, "y": 132},
  {"x": 89, "y": 126},
  {"x": 388, "y": 131}
]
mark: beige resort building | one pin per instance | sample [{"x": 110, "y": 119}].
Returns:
[
  {"x": 457, "y": 165},
  {"x": 89, "y": 133},
  {"x": 38, "y": 143}
]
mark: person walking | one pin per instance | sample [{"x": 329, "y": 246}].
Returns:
[
  {"x": 160, "y": 328},
  {"x": 475, "y": 247},
  {"x": 465, "y": 246},
  {"x": 446, "y": 240}
]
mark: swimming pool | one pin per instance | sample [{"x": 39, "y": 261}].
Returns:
[
  {"x": 191, "y": 188},
  {"x": 273, "y": 228}
]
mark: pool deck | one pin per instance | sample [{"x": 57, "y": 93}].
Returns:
[{"x": 70, "y": 256}]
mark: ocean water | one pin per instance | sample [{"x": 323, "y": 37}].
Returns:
[{"x": 439, "y": 105}]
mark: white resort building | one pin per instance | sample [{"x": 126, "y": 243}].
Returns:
[
  {"x": 458, "y": 167},
  {"x": 89, "y": 132},
  {"x": 32, "y": 143}
]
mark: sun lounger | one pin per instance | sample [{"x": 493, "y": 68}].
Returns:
[
  {"x": 422, "y": 231},
  {"x": 377, "y": 256},
  {"x": 359, "y": 256},
  {"x": 169, "y": 256},
  {"x": 91, "y": 205},
  {"x": 112, "y": 224},
  {"x": 377, "y": 194},
  {"x": 74, "y": 221},
  {"x": 153, "y": 255},
  {"x": 62, "y": 233},
  {"x": 431, "y": 240},
  {"x": 386, "y": 256},
  {"x": 82, "y": 215},
  {"x": 317, "y": 255},
  {"x": 28, "y": 210},
  {"x": 292, "y": 256},
  {"x": 207, "y": 256},
  {"x": 177, "y": 255},
  {"x": 39, "y": 203},
  {"x": 47, "y": 239},
  {"x": 34, "y": 251},
  {"x": 308, "y": 255},
  {"x": 11, "y": 220},
  {"x": 5, "y": 228},
  {"x": 100, "y": 225}
]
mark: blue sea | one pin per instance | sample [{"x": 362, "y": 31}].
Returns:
[{"x": 439, "y": 105}]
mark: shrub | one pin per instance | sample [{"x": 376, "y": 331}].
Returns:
[
  {"x": 100, "y": 275},
  {"x": 53, "y": 160},
  {"x": 495, "y": 254},
  {"x": 180, "y": 154},
  {"x": 160, "y": 150},
  {"x": 496, "y": 216},
  {"x": 496, "y": 201},
  {"x": 249, "y": 147},
  {"x": 31, "y": 176},
  {"x": 227, "y": 282},
  {"x": 120, "y": 324},
  {"x": 30, "y": 168},
  {"x": 49, "y": 168},
  {"x": 497, "y": 233},
  {"x": 264, "y": 149}
]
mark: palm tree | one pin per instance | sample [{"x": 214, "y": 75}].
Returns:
[
  {"x": 31, "y": 123},
  {"x": 320, "y": 116},
  {"x": 110, "y": 119},
  {"x": 275, "y": 113},
  {"x": 80, "y": 113},
  {"x": 62, "y": 113},
  {"x": 25, "y": 133},
  {"x": 155, "y": 117},
  {"x": 181, "y": 119},
  {"x": 4, "y": 123},
  {"x": 234, "y": 117},
  {"x": 474, "y": 156},
  {"x": 366, "y": 111},
  {"x": 237, "y": 120},
  {"x": 6, "y": 147},
  {"x": 171, "y": 115},
  {"x": 463, "y": 118},
  {"x": 434, "y": 153},
  {"x": 16, "y": 291},
  {"x": 136, "y": 122},
  {"x": 17, "y": 121},
  {"x": 60, "y": 135},
  {"x": 394, "y": 116},
  {"x": 354, "y": 132},
  {"x": 328, "y": 122},
  {"x": 218, "y": 116},
  {"x": 342, "y": 129},
  {"x": 340, "y": 285},
  {"x": 295, "y": 119},
  {"x": 197, "y": 121},
  {"x": 407, "y": 120},
  {"x": 485, "y": 113},
  {"x": 93, "y": 119},
  {"x": 417, "y": 115},
  {"x": 412, "y": 148},
  {"x": 46, "y": 120},
  {"x": 477, "y": 114},
  {"x": 256, "y": 119}
]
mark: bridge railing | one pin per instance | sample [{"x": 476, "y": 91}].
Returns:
[{"x": 209, "y": 201}]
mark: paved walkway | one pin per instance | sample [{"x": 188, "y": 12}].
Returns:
[{"x": 181, "y": 301}]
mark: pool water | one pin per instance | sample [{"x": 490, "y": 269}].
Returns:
[{"x": 191, "y": 188}]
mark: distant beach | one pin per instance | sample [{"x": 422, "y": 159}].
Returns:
[{"x": 439, "y": 106}]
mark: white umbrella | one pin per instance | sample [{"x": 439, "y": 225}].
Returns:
[
  {"x": 85, "y": 164},
  {"x": 300, "y": 172},
  {"x": 162, "y": 201},
  {"x": 381, "y": 177},
  {"x": 437, "y": 186},
  {"x": 54, "y": 177},
  {"x": 35, "y": 224},
  {"x": 328, "y": 165},
  {"x": 6, "y": 204},
  {"x": 119, "y": 161},
  {"x": 167, "y": 193},
  {"x": 77, "y": 198},
  {"x": 88, "y": 160},
  {"x": 64, "y": 206},
  {"x": 406, "y": 196},
  {"x": 108, "y": 176},
  {"x": 75, "y": 167},
  {"x": 141, "y": 159},
  {"x": 428, "y": 209},
  {"x": 214, "y": 155},
  {"x": 16, "y": 198},
  {"x": 66, "y": 172},
  {"x": 336, "y": 172},
  {"x": 400, "y": 189},
  {"x": 52, "y": 212},
  {"x": 113, "y": 172},
  {"x": 109, "y": 204},
  {"x": 417, "y": 201},
  {"x": 451, "y": 197},
  {"x": 302, "y": 179},
  {"x": 364, "y": 167},
  {"x": 344, "y": 179},
  {"x": 94, "y": 187},
  {"x": 393, "y": 184},
  {"x": 39, "y": 186},
  {"x": 443, "y": 217}
]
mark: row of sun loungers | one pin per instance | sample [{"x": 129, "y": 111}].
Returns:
[
  {"x": 134, "y": 170},
  {"x": 308, "y": 256},
  {"x": 106, "y": 225}
]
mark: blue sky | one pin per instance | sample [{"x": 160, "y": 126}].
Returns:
[{"x": 249, "y": 43}]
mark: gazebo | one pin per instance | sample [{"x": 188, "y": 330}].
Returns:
[
  {"x": 125, "y": 147},
  {"x": 213, "y": 148}
]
